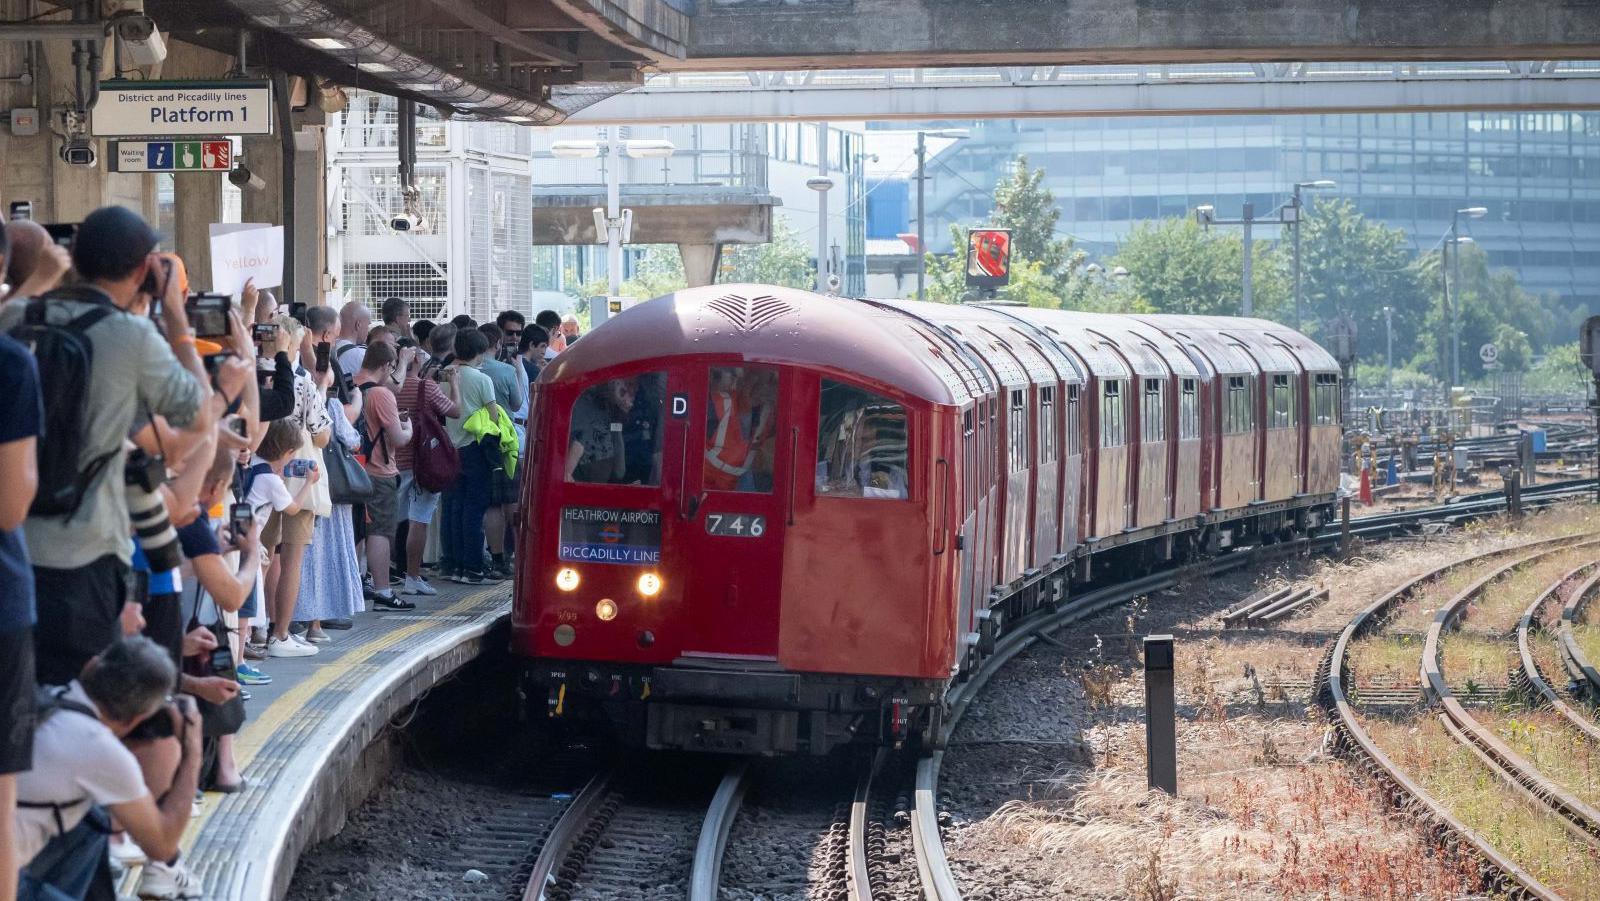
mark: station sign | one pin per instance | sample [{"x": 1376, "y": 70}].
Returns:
[
  {"x": 128, "y": 109},
  {"x": 171, "y": 156}
]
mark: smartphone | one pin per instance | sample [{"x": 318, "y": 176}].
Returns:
[
  {"x": 208, "y": 314},
  {"x": 266, "y": 331},
  {"x": 222, "y": 662},
  {"x": 297, "y": 311},
  {"x": 323, "y": 350},
  {"x": 241, "y": 519}
]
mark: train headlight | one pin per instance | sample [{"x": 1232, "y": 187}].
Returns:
[
  {"x": 649, "y": 585},
  {"x": 606, "y": 609},
  {"x": 567, "y": 579}
]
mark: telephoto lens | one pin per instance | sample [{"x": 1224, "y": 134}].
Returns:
[{"x": 148, "y": 513}]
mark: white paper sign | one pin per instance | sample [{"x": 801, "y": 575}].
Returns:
[{"x": 237, "y": 256}]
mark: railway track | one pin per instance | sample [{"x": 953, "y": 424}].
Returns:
[{"x": 1351, "y": 716}]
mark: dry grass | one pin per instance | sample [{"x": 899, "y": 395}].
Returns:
[
  {"x": 1524, "y": 832},
  {"x": 1554, "y": 747},
  {"x": 1588, "y": 638},
  {"x": 1385, "y": 660}
]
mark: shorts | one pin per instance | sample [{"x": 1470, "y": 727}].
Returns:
[
  {"x": 291, "y": 530},
  {"x": 502, "y": 487},
  {"x": 80, "y": 613},
  {"x": 416, "y": 504},
  {"x": 16, "y": 700},
  {"x": 251, "y": 608},
  {"x": 383, "y": 508},
  {"x": 358, "y": 521}
]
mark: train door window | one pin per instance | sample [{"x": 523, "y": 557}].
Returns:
[
  {"x": 1049, "y": 445},
  {"x": 970, "y": 465},
  {"x": 861, "y": 444},
  {"x": 1113, "y": 427},
  {"x": 1325, "y": 399},
  {"x": 1282, "y": 416},
  {"x": 1239, "y": 412},
  {"x": 1188, "y": 410},
  {"x": 1017, "y": 431},
  {"x": 1073, "y": 438},
  {"x": 615, "y": 435},
  {"x": 741, "y": 406},
  {"x": 1153, "y": 412}
]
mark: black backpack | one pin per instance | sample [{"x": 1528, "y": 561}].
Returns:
[{"x": 65, "y": 357}]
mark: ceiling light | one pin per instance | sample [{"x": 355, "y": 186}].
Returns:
[
  {"x": 375, "y": 67},
  {"x": 521, "y": 119},
  {"x": 328, "y": 44}
]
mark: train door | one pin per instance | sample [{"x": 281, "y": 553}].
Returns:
[{"x": 734, "y": 469}]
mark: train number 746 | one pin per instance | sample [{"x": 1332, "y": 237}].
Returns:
[{"x": 736, "y": 525}]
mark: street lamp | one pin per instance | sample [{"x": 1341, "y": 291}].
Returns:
[
  {"x": 822, "y": 184},
  {"x": 1388, "y": 357},
  {"x": 922, "y": 218},
  {"x": 1206, "y": 215},
  {"x": 615, "y": 222},
  {"x": 1454, "y": 276},
  {"x": 1321, "y": 184}
]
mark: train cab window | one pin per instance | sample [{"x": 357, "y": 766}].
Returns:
[
  {"x": 741, "y": 405},
  {"x": 1325, "y": 399},
  {"x": 1188, "y": 410},
  {"x": 1238, "y": 414},
  {"x": 1153, "y": 412},
  {"x": 1073, "y": 438},
  {"x": 1113, "y": 425},
  {"x": 1049, "y": 444},
  {"x": 861, "y": 444},
  {"x": 1017, "y": 431},
  {"x": 615, "y": 436},
  {"x": 1282, "y": 402}
]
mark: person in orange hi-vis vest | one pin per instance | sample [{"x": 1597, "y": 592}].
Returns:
[{"x": 728, "y": 451}]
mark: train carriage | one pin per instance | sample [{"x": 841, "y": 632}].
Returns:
[{"x": 759, "y": 520}]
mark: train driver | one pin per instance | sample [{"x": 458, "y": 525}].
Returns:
[
  {"x": 597, "y": 452},
  {"x": 738, "y": 423}
]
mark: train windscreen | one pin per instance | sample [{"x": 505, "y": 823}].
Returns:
[
  {"x": 615, "y": 436},
  {"x": 861, "y": 444}
]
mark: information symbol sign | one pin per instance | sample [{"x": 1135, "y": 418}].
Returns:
[{"x": 160, "y": 155}]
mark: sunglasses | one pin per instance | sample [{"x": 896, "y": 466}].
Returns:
[{"x": 512, "y": 332}]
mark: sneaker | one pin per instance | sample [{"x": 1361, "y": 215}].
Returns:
[
  {"x": 457, "y": 576},
  {"x": 300, "y": 639},
  {"x": 298, "y": 627},
  {"x": 388, "y": 601},
  {"x": 471, "y": 578},
  {"x": 126, "y": 851},
  {"x": 289, "y": 648},
  {"x": 245, "y": 695},
  {"x": 419, "y": 585},
  {"x": 318, "y": 637},
  {"x": 255, "y": 651},
  {"x": 164, "y": 882},
  {"x": 340, "y": 624},
  {"x": 249, "y": 675}
]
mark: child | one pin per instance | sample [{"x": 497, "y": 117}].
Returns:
[{"x": 264, "y": 490}]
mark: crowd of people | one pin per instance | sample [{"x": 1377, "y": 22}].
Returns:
[{"x": 194, "y": 486}]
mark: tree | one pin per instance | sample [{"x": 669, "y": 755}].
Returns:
[
  {"x": 1514, "y": 351},
  {"x": 1175, "y": 266},
  {"x": 1353, "y": 266},
  {"x": 1560, "y": 372},
  {"x": 1487, "y": 299},
  {"x": 785, "y": 261}
]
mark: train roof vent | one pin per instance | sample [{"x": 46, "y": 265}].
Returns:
[{"x": 749, "y": 313}]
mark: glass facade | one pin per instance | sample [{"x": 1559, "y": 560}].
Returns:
[{"x": 1538, "y": 174}]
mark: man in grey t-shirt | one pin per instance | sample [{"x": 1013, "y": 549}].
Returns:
[{"x": 81, "y": 561}]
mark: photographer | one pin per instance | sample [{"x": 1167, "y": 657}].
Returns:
[
  {"x": 78, "y": 537},
  {"x": 82, "y": 770}
]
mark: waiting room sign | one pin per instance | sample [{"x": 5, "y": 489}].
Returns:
[{"x": 159, "y": 109}]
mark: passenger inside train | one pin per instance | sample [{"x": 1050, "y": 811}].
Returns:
[{"x": 861, "y": 444}]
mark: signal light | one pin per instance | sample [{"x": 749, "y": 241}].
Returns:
[
  {"x": 567, "y": 579},
  {"x": 606, "y": 609},
  {"x": 649, "y": 585}
]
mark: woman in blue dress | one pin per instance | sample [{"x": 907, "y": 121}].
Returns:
[{"x": 330, "y": 587}]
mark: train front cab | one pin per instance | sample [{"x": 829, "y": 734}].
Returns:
[{"x": 703, "y": 604}]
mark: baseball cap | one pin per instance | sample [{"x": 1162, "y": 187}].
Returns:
[{"x": 111, "y": 242}]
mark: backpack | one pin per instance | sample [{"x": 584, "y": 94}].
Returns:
[
  {"x": 65, "y": 357},
  {"x": 435, "y": 463},
  {"x": 47, "y": 701},
  {"x": 368, "y": 442}
]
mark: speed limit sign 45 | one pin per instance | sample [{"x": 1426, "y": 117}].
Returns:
[{"x": 1488, "y": 353}]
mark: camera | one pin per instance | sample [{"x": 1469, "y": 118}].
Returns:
[
  {"x": 78, "y": 151},
  {"x": 264, "y": 331},
  {"x": 222, "y": 662},
  {"x": 156, "y": 285},
  {"x": 297, "y": 311},
  {"x": 208, "y": 313},
  {"x": 241, "y": 519},
  {"x": 299, "y": 469},
  {"x": 143, "y": 475},
  {"x": 323, "y": 350},
  {"x": 409, "y": 222}
]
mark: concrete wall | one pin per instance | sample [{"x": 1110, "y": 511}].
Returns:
[{"x": 812, "y": 33}]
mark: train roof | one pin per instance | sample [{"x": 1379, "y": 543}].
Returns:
[{"x": 769, "y": 324}]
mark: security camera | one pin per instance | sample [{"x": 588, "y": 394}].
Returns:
[
  {"x": 78, "y": 151},
  {"x": 142, "y": 43},
  {"x": 833, "y": 283},
  {"x": 241, "y": 177},
  {"x": 408, "y": 222}
]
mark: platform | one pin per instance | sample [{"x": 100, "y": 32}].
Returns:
[{"x": 302, "y": 746}]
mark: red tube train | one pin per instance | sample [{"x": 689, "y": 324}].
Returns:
[{"x": 760, "y": 520}]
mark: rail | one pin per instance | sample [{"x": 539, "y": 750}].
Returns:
[
  {"x": 1530, "y": 623},
  {"x": 1577, "y": 663},
  {"x": 706, "y": 875}
]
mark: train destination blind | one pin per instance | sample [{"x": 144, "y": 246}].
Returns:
[{"x": 610, "y": 535}]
